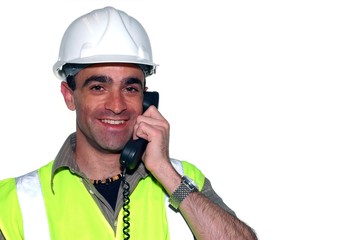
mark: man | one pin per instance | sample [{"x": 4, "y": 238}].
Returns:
[{"x": 87, "y": 192}]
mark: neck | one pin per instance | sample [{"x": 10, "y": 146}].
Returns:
[{"x": 94, "y": 163}]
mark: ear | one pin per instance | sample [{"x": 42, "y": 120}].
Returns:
[{"x": 68, "y": 95}]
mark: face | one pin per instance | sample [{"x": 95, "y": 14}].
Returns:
[{"x": 107, "y": 100}]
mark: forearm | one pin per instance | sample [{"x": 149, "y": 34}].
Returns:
[
  {"x": 206, "y": 219},
  {"x": 209, "y": 221}
]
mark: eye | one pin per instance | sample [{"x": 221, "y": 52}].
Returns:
[
  {"x": 132, "y": 89},
  {"x": 97, "y": 88}
]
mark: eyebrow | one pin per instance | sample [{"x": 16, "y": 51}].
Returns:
[
  {"x": 96, "y": 78},
  {"x": 133, "y": 80},
  {"x": 106, "y": 79}
]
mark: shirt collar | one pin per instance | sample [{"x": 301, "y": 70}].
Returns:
[{"x": 65, "y": 160}]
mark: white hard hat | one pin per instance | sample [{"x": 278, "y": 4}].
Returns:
[{"x": 105, "y": 35}]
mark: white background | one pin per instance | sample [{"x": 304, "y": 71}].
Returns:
[{"x": 263, "y": 96}]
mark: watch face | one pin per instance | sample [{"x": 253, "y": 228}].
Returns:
[{"x": 190, "y": 183}]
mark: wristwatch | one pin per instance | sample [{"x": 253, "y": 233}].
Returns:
[{"x": 186, "y": 187}]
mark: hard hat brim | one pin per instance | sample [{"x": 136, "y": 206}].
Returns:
[{"x": 58, "y": 66}]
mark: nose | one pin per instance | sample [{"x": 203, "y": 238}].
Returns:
[{"x": 115, "y": 102}]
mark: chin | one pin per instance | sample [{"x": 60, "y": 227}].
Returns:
[{"x": 112, "y": 147}]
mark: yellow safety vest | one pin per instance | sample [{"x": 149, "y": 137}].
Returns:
[{"x": 72, "y": 213}]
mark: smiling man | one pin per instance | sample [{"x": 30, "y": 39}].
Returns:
[
  {"x": 108, "y": 99},
  {"x": 86, "y": 193}
]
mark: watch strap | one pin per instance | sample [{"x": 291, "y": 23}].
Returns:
[{"x": 184, "y": 189}]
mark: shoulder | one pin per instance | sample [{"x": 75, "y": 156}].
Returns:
[
  {"x": 9, "y": 204},
  {"x": 7, "y": 188}
]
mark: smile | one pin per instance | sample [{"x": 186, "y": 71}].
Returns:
[{"x": 113, "y": 122}]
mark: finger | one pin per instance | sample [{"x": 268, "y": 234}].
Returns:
[
  {"x": 153, "y": 112},
  {"x": 148, "y": 132},
  {"x": 156, "y": 122}
]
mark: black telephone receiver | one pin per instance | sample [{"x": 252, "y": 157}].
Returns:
[{"x": 134, "y": 149}]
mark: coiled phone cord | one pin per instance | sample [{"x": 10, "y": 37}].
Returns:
[{"x": 126, "y": 212}]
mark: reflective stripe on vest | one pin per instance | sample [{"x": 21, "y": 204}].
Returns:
[
  {"x": 32, "y": 206},
  {"x": 34, "y": 214}
]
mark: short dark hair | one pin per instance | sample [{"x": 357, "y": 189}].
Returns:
[{"x": 70, "y": 79}]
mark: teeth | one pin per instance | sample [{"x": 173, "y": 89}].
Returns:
[{"x": 115, "y": 122}]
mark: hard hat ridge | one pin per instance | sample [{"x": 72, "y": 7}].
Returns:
[{"x": 105, "y": 35}]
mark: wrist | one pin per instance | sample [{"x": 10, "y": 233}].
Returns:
[{"x": 185, "y": 187}]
